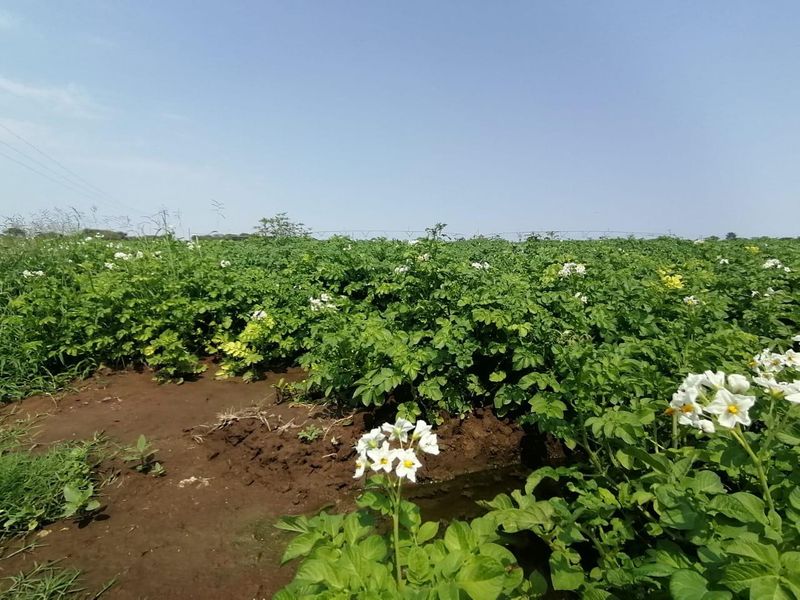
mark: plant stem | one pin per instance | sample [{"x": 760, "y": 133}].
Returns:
[
  {"x": 675, "y": 431},
  {"x": 396, "y": 524},
  {"x": 757, "y": 462}
]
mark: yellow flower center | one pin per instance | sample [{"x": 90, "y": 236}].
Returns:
[
  {"x": 408, "y": 463},
  {"x": 733, "y": 409},
  {"x": 687, "y": 408},
  {"x": 384, "y": 461}
]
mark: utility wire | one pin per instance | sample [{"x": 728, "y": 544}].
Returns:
[
  {"x": 100, "y": 195},
  {"x": 50, "y": 170},
  {"x": 47, "y": 156},
  {"x": 46, "y": 176}
]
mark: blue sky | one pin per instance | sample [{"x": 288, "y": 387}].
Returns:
[{"x": 679, "y": 117}]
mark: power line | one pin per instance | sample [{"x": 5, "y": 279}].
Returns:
[
  {"x": 48, "y": 168},
  {"x": 60, "y": 164},
  {"x": 101, "y": 195}
]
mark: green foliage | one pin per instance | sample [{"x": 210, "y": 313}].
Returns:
[
  {"x": 143, "y": 456},
  {"x": 345, "y": 556},
  {"x": 38, "y": 488},
  {"x": 47, "y": 582},
  {"x": 309, "y": 434}
]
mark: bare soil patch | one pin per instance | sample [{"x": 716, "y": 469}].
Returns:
[{"x": 234, "y": 464}]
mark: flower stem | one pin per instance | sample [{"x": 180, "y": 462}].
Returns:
[
  {"x": 757, "y": 463},
  {"x": 396, "y": 531}
]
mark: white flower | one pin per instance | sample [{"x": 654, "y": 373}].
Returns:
[
  {"x": 407, "y": 464},
  {"x": 401, "y": 269},
  {"x": 258, "y": 315},
  {"x": 27, "y": 274},
  {"x": 791, "y": 392},
  {"x": 796, "y": 338},
  {"x": 420, "y": 429},
  {"x": 684, "y": 402},
  {"x": 738, "y": 384},
  {"x": 480, "y": 265},
  {"x": 699, "y": 241},
  {"x": 323, "y": 302},
  {"x": 382, "y": 458},
  {"x": 754, "y": 293},
  {"x": 570, "y": 268},
  {"x": 691, "y": 300},
  {"x": 724, "y": 261},
  {"x": 731, "y": 409},
  {"x": 98, "y": 235},
  {"x": 705, "y": 425},
  {"x": 88, "y": 239},
  {"x": 787, "y": 270},
  {"x": 770, "y": 291},
  {"x": 772, "y": 263},
  {"x": 361, "y": 465},
  {"x": 770, "y": 384},
  {"x": 109, "y": 265},
  {"x": 713, "y": 380},
  {"x": 398, "y": 431},
  {"x": 122, "y": 256},
  {"x": 224, "y": 263},
  {"x": 370, "y": 441},
  {"x": 424, "y": 257},
  {"x": 581, "y": 297},
  {"x": 768, "y": 362},
  {"x": 791, "y": 358},
  {"x": 413, "y": 242},
  {"x": 139, "y": 254},
  {"x": 428, "y": 443}
]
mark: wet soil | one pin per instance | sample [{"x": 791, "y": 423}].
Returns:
[{"x": 234, "y": 464}]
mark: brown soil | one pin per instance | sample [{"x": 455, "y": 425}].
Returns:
[{"x": 205, "y": 529}]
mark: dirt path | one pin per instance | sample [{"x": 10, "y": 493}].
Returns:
[{"x": 204, "y": 530}]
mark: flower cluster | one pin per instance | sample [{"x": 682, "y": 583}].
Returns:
[
  {"x": 699, "y": 241},
  {"x": 393, "y": 446},
  {"x": 714, "y": 394},
  {"x": 723, "y": 261},
  {"x": 570, "y": 268},
  {"x": 583, "y": 298},
  {"x": 224, "y": 264},
  {"x": 753, "y": 249},
  {"x": 769, "y": 365},
  {"x": 258, "y": 315},
  {"x": 424, "y": 257},
  {"x": 323, "y": 302},
  {"x": 480, "y": 265},
  {"x": 672, "y": 282},
  {"x": 774, "y": 263},
  {"x": 401, "y": 269},
  {"x": 691, "y": 300},
  {"x": 109, "y": 266},
  {"x": 27, "y": 274}
]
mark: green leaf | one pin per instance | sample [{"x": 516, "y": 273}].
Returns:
[
  {"x": 741, "y": 576},
  {"x": 427, "y": 531},
  {"x": 688, "y": 584},
  {"x": 742, "y": 506},
  {"x": 374, "y": 548},
  {"x": 419, "y": 569},
  {"x": 564, "y": 575},
  {"x": 481, "y": 578},
  {"x": 458, "y": 536},
  {"x": 301, "y": 545}
]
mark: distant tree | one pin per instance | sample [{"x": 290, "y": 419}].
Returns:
[
  {"x": 730, "y": 236},
  {"x": 14, "y": 232},
  {"x": 280, "y": 226},
  {"x": 436, "y": 232},
  {"x": 108, "y": 234}
]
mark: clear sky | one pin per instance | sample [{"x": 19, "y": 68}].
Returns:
[{"x": 679, "y": 117}]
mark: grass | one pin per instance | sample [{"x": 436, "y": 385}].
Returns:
[
  {"x": 32, "y": 484},
  {"x": 44, "y": 582},
  {"x": 48, "y": 582}
]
